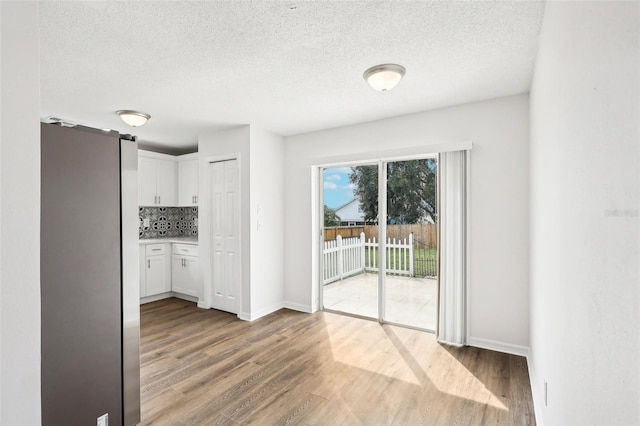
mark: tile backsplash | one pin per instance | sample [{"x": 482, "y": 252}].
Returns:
[{"x": 168, "y": 222}]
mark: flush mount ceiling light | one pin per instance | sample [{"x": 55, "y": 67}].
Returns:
[
  {"x": 133, "y": 118},
  {"x": 384, "y": 77}
]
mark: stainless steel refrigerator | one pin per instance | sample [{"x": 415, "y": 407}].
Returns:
[{"x": 89, "y": 277}]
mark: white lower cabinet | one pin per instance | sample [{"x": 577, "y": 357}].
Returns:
[
  {"x": 169, "y": 267},
  {"x": 186, "y": 270},
  {"x": 155, "y": 269}
]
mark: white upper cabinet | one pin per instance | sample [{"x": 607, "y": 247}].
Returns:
[
  {"x": 188, "y": 183},
  {"x": 147, "y": 182},
  {"x": 157, "y": 179},
  {"x": 167, "y": 182}
]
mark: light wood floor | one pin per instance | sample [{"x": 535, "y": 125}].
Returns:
[{"x": 205, "y": 367}]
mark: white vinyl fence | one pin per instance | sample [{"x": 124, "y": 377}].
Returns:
[{"x": 344, "y": 257}]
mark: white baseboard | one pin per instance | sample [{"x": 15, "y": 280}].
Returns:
[
  {"x": 155, "y": 297},
  {"x": 538, "y": 400},
  {"x": 260, "y": 313},
  {"x": 252, "y": 316},
  {"x": 185, "y": 297},
  {"x": 202, "y": 305},
  {"x": 297, "y": 307},
  {"x": 244, "y": 316},
  {"x": 494, "y": 345}
]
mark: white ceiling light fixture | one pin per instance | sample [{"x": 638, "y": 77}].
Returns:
[
  {"x": 384, "y": 77},
  {"x": 133, "y": 118}
]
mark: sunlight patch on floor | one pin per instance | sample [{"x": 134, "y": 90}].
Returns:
[{"x": 406, "y": 355}]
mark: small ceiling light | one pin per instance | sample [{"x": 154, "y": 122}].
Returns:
[
  {"x": 133, "y": 118},
  {"x": 384, "y": 77}
]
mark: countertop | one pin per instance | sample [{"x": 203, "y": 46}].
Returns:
[{"x": 179, "y": 240}]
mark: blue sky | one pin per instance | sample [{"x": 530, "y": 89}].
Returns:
[{"x": 337, "y": 189}]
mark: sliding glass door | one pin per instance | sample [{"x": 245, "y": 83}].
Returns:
[
  {"x": 384, "y": 269},
  {"x": 349, "y": 285},
  {"x": 410, "y": 280}
]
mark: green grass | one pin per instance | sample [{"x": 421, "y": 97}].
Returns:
[
  {"x": 425, "y": 260},
  {"x": 427, "y": 253}
]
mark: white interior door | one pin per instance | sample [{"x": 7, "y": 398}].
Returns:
[{"x": 225, "y": 232}]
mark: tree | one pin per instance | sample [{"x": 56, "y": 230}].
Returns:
[
  {"x": 330, "y": 217},
  {"x": 365, "y": 179},
  {"x": 411, "y": 190}
]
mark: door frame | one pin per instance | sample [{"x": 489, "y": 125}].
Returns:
[{"x": 318, "y": 190}]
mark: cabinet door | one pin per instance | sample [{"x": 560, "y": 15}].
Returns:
[
  {"x": 188, "y": 183},
  {"x": 143, "y": 272},
  {"x": 192, "y": 267},
  {"x": 156, "y": 278},
  {"x": 179, "y": 275},
  {"x": 147, "y": 181},
  {"x": 167, "y": 185}
]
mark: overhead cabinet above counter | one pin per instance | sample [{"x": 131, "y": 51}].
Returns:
[
  {"x": 188, "y": 183},
  {"x": 167, "y": 180},
  {"x": 157, "y": 180}
]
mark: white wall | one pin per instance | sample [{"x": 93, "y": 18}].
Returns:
[
  {"x": 499, "y": 305},
  {"x": 267, "y": 222},
  {"x": 584, "y": 214},
  {"x": 19, "y": 215},
  {"x": 261, "y": 194},
  {"x": 220, "y": 145}
]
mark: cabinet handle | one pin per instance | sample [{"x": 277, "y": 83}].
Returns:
[
  {"x": 159, "y": 199},
  {"x": 196, "y": 198},
  {"x": 156, "y": 249},
  {"x": 149, "y": 263}
]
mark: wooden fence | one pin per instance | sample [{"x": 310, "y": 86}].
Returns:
[
  {"x": 424, "y": 234},
  {"x": 332, "y": 232}
]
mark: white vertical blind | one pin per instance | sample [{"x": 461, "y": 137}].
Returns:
[{"x": 453, "y": 247}]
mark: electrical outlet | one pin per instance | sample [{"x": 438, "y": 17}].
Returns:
[
  {"x": 103, "y": 420},
  {"x": 545, "y": 394},
  {"x": 145, "y": 222}
]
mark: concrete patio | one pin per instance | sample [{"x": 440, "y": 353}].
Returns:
[{"x": 409, "y": 301}]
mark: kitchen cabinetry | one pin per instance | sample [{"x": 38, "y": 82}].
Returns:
[
  {"x": 186, "y": 270},
  {"x": 188, "y": 182},
  {"x": 157, "y": 179},
  {"x": 155, "y": 269}
]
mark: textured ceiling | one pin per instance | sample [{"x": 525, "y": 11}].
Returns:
[{"x": 287, "y": 66}]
